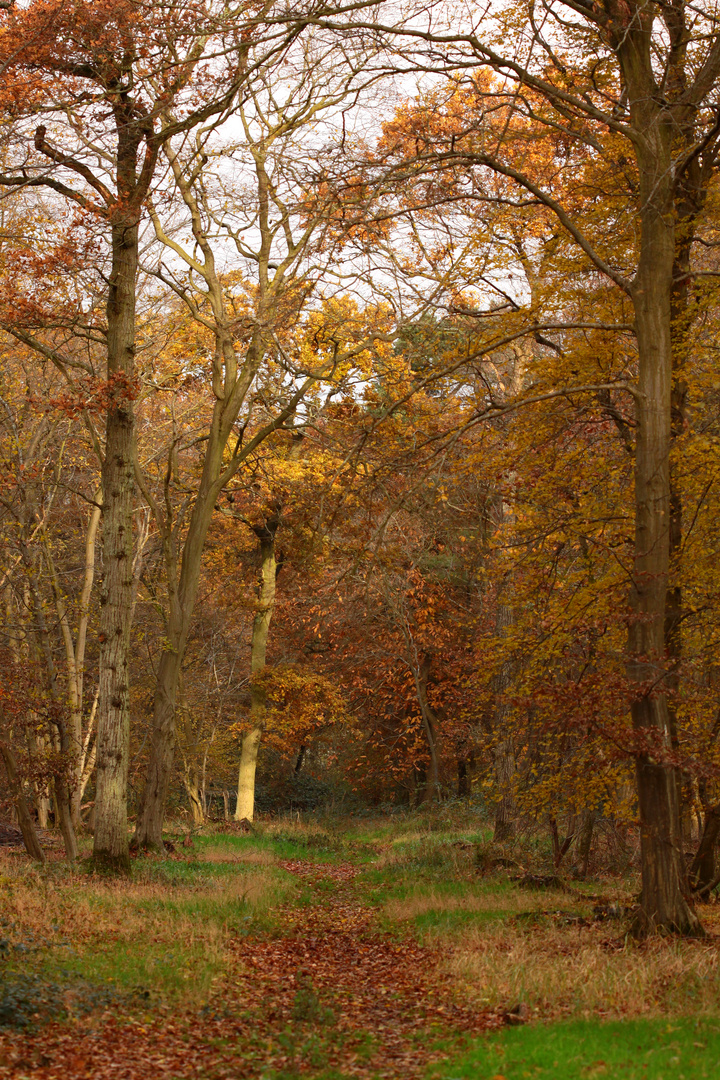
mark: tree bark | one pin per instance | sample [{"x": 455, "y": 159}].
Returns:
[
  {"x": 245, "y": 807},
  {"x": 196, "y": 802},
  {"x": 689, "y": 201},
  {"x": 116, "y": 595},
  {"x": 664, "y": 903},
  {"x": 702, "y": 868},
  {"x": 584, "y": 841},
  {"x": 27, "y": 825},
  {"x": 431, "y": 790}
]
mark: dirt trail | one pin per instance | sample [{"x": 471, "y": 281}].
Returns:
[{"x": 330, "y": 994}]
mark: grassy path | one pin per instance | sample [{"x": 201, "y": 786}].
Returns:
[
  {"x": 337, "y": 955},
  {"x": 323, "y": 993},
  {"x": 367, "y": 1003}
]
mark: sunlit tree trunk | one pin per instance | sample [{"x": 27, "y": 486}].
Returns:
[{"x": 245, "y": 807}]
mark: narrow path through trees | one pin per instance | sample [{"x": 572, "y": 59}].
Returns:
[{"x": 329, "y": 995}]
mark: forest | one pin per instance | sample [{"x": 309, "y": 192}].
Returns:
[{"x": 359, "y": 459}]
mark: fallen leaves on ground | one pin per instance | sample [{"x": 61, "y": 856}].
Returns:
[{"x": 330, "y": 992}]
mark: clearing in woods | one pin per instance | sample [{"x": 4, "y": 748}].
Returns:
[{"x": 358, "y": 951}]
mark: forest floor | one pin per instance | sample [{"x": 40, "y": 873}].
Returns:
[{"x": 369, "y": 949}]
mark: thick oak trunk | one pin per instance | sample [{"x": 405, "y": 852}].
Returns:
[
  {"x": 116, "y": 595},
  {"x": 664, "y": 901}
]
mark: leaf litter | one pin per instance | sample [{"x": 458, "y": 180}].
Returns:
[{"x": 328, "y": 995}]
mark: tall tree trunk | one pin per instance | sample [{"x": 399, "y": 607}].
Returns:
[
  {"x": 230, "y": 389},
  {"x": 245, "y": 807},
  {"x": 665, "y": 898},
  {"x": 688, "y": 204},
  {"x": 116, "y": 596},
  {"x": 231, "y": 382}
]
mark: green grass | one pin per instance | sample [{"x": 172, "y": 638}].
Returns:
[
  {"x": 453, "y": 923},
  {"x": 316, "y": 846},
  {"x": 683, "y": 1049},
  {"x": 162, "y": 933},
  {"x": 165, "y": 971}
]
